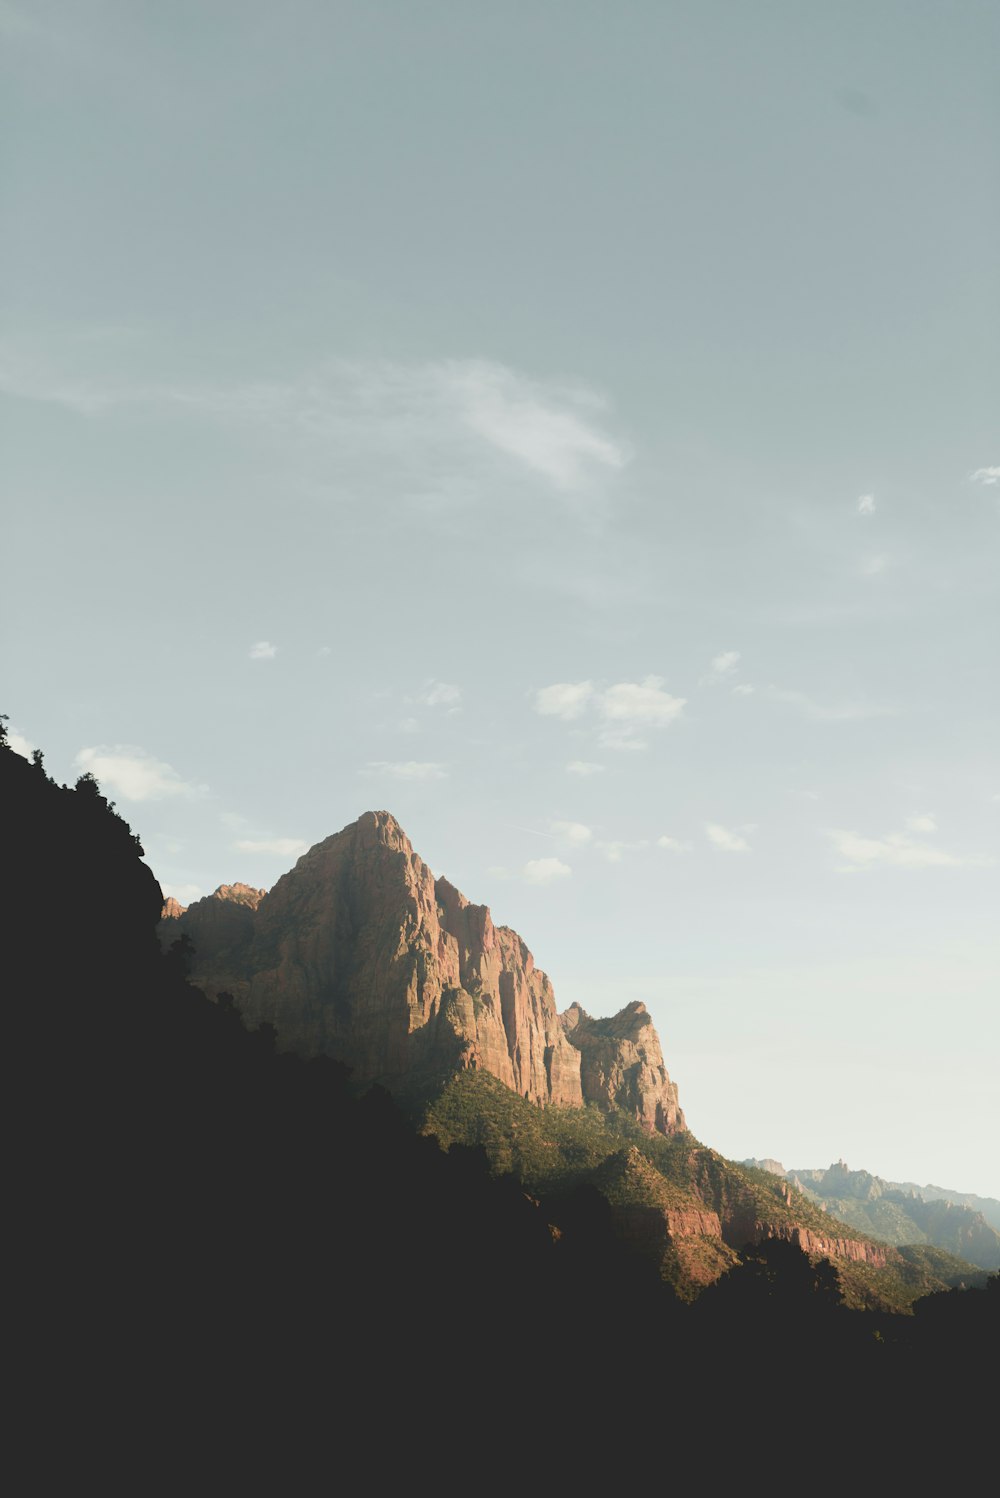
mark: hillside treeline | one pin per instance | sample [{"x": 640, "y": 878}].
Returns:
[{"x": 229, "y": 1269}]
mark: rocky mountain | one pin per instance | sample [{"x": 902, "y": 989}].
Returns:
[
  {"x": 897, "y": 1212},
  {"x": 359, "y": 953},
  {"x": 989, "y": 1206}
]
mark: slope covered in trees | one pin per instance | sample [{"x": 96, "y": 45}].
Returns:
[{"x": 226, "y": 1262}]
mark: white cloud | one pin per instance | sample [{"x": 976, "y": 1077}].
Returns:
[
  {"x": 645, "y": 702},
  {"x": 287, "y": 847},
  {"x": 614, "y": 852},
  {"x": 673, "y": 844},
  {"x": 545, "y": 870},
  {"x": 924, "y": 823},
  {"x": 743, "y": 690},
  {"x": 723, "y": 665},
  {"x": 440, "y": 694},
  {"x": 725, "y": 838},
  {"x": 845, "y": 713},
  {"x": 410, "y": 415},
  {"x": 989, "y": 475},
  {"x": 565, "y": 699},
  {"x": 262, "y": 651},
  {"x": 409, "y": 769},
  {"x": 623, "y": 709},
  {"x": 20, "y": 744},
  {"x": 547, "y": 428},
  {"x": 874, "y": 565},
  {"x": 130, "y": 772},
  {"x": 576, "y": 833},
  {"x": 866, "y": 504},
  {"x": 895, "y": 850},
  {"x": 184, "y": 894},
  {"x": 583, "y": 767},
  {"x": 324, "y": 651}
]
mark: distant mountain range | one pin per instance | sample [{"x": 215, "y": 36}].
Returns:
[
  {"x": 900, "y": 1212},
  {"x": 360, "y": 954}
]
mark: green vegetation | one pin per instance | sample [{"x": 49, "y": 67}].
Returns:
[{"x": 554, "y": 1150}]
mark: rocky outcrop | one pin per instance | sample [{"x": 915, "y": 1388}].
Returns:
[
  {"x": 773, "y": 1167},
  {"x": 859, "y": 1250},
  {"x": 221, "y": 928},
  {"x": 621, "y": 1066},
  {"x": 359, "y": 953},
  {"x": 894, "y": 1212},
  {"x": 172, "y": 909}
]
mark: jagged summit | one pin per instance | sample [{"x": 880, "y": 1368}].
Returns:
[{"x": 359, "y": 952}]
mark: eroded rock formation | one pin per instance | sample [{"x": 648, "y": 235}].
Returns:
[
  {"x": 359, "y": 953},
  {"x": 622, "y": 1066}
]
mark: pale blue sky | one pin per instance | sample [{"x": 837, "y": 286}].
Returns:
[{"x": 573, "y": 428}]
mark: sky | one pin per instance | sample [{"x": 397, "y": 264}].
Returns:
[{"x": 573, "y": 428}]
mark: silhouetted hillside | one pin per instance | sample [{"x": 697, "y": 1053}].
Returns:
[{"x": 228, "y": 1268}]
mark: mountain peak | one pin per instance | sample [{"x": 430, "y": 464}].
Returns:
[{"x": 359, "y": 953}]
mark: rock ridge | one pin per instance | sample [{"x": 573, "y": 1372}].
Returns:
[{"x": 359, "y": 952}]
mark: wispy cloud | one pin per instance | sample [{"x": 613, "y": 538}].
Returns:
[
  {"x": 874, "y": 565},
  {"x": 825, "y": 713},
  {"x": 263, "y": 650},
  {"x": 722, "y": 667},
  {"x": 615, "y": 851},
  {"x": 673, "y": 844},
  {"x": 988, "y": 476},
  {"x": 184, "y": 894},
  {"x": 130, "y": 772},
  {"x": 583, "y": 767},
  {"x": 551, "y": 429},
  {"x": 925, "y": 823},
  {"x": 895, "y": 850},
  {"x": 409, "y": 769},
  {"x": 623, "y": 711},
  {"x": 564, "y": 699},
  {"x": 866, "y": 504},
  {"x": 286, "y": 847},
  {"x": 440, "y": 694},
  {"x": 577, "y": 833},
  {"x": 744, "y": 689},
  {"x": 19, "y": 743},
  {"x": 726, "y": 838},
  {"x": 640, "y": 703},
  {"x": 545, "y": 870}
]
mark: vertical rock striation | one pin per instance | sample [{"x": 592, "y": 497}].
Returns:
[
  {"x": 359, "y": 953},
  {"x": 622, "y": 1066}
]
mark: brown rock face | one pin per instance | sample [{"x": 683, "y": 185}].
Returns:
[
  {"x": 622, "y": 1066},
  {"x": 221, "y": 927},
  {"x": 815, "y": 1243},
  {"x": 357, "y": 953}
]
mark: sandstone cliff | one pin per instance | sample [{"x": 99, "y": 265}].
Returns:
[
  {"x": 622, "y": 1066},
  {"x": 359, "y": 953}
]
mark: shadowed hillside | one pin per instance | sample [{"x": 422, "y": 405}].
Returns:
[{"x": 225, "y": 1256}]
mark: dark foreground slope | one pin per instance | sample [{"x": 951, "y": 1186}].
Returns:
[{"x": 229, "y": 1272}]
